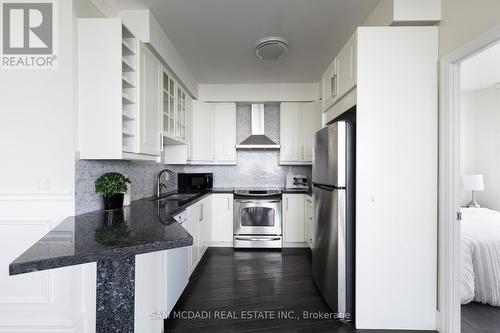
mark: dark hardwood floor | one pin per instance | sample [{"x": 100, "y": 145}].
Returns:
[
  {"x": 235, "y": 283},
  {"x": 477, "y": 317}
]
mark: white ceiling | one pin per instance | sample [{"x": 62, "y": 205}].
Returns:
[
  {"x": 483, "y": 70},
  {"x": 216, "y": 38}
]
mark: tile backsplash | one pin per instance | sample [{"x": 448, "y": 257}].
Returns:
[
  {"x": 142, "y": 176},
  {"x": 256, "y": 168}
]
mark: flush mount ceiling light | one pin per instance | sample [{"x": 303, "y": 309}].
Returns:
[{"x": 271, "y": 47}]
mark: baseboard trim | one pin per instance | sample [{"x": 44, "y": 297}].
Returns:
[{"x": 56, "y": 326}]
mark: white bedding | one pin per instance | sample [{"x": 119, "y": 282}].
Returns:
[{"x": 480, "y": 256}]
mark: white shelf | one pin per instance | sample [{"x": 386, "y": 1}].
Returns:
[
  {"x": 128, "y": 115},
  {"x": 127, "y": 99},
  {"x": 127, "y": 49},
  {"x": 127, "y": 82},
  {"x": 127, "y": 132},
  {"x": 127, "y": 66}
]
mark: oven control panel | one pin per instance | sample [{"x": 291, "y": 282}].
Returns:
[{"x": 257, "y": 193}]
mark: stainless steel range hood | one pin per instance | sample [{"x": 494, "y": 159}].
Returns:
[{"x": 258, "y": 140}]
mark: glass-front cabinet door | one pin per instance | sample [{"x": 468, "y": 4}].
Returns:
[
  {"x": 168, "y": 104},
  {"x": 174, "y": 108},
  {"x": 180, "y": 129}
]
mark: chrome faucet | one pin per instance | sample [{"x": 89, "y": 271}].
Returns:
[{"x": 159, "y": 184}]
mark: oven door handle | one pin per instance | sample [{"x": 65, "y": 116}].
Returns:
[
  {"x": 257, "y": 201},
  {"x": 258, "y": 239}
]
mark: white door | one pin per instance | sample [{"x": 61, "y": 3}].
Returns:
[
  {"x": 225, "y": 132},
  {"x": 293, "y": 218},
  {"x": 202, "y": 149},
  {"x": 222, "y": 218},
  {"x": 347, "y": 67},
  {"x": 310, "y": 120},
  {"x": 289, "y": 132},
  {"x": 150, "y": 130}
]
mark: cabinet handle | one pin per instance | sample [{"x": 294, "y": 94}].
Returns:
[
  {"x": 286, "y": 203},
  {"x": 302, "y": 150},
  {"x": 228, "y": 204},
  {"x": 161, "y": 141},
  {"x": 201, "y": 213},
  {"x": 334, "y": 85}
]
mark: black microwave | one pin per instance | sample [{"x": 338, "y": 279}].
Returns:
[{"x": 194, "y": 181}]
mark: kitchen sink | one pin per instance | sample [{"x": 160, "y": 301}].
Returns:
[
  {"x": 178, "y": 197},
  {"x": 181, "y": 196}
]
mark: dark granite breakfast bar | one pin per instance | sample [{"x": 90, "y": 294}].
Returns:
[{"x": 112, "y": 239}]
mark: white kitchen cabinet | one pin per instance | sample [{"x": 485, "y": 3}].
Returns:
[
  {"x": 293, "y": 219},
  {"x": 309, "y": 221},
  {"x": 205, "y": 227},
  {"x": 225, "y": 132},
  {"x": 310, "y": 123},
  {"x": 109, "y": 122},
  {"x": 298, "y": 125},
  {"x": 199, "y": 226},
  {"x": 175, "y": 103},
  {"x": 328, "y": 81},
  {"x": 213, "y": 134},
  {"x": 149, "y": 282},
  {"x": 151, "y": 139},
  {"x": 222, "y": 220},
  {"x": 202, "y": 134},
  {"x": 346, "y": 68},
  {"x": 289, "y": 128},
  {"x": 340, "y": 77}
]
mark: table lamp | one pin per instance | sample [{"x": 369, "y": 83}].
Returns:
[{"x": 473, "y": 183}]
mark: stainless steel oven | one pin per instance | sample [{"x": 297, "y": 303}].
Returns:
[{"x": 257, "y": 218}]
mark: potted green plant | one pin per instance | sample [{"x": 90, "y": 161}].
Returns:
[{"x": 112, "y": 185}]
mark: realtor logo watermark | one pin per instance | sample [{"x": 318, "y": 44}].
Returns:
[{"x": 28, "y": 34}]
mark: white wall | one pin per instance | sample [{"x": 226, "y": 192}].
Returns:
[
  {"x": 480, "y": 143},
  {"x": 404, "y": 12},
  {"x": 463, "y": 20},
  {"x": 278, "y": 92},
  {"x": 37, "y": 185},
  {"x": 145, "y": 26},
  {"x": 396, "y": 191}
]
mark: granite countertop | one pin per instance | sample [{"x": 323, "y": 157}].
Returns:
[{"x": 147, "y": 225}]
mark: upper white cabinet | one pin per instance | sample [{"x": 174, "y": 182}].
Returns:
[
  {"x": 151, "y": 140},
  {"x": 108, "y": 92},
  {"x": 340, "y": 77},
  {"x": 328, "y": 82},
  {"x": 213, "y": 133},
  {"x": 293, "y": 218},
  {"x": 222, "y": 219},
  {"x": 175, "y": 103},
  {"x": 119, "y": 82},
  {"x": 346, "y": 68},
  {"x": 202, "y": 134},
  {"x": 298, "y": 125},
  {"x": 225, "y": 132}
]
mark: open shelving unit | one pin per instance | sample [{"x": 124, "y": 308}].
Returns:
[{"x": 129, "y": 91}]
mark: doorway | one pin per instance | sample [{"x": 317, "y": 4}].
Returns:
[{"x": 451, "y": 172}]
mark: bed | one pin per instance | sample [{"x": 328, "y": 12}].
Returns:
[{"x": 480, "y": 256}]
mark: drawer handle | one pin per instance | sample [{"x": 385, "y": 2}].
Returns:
[{"x": 258, "y": 239}]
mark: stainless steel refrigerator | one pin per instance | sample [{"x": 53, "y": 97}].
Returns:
[{"x": 334, "y": 199}]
